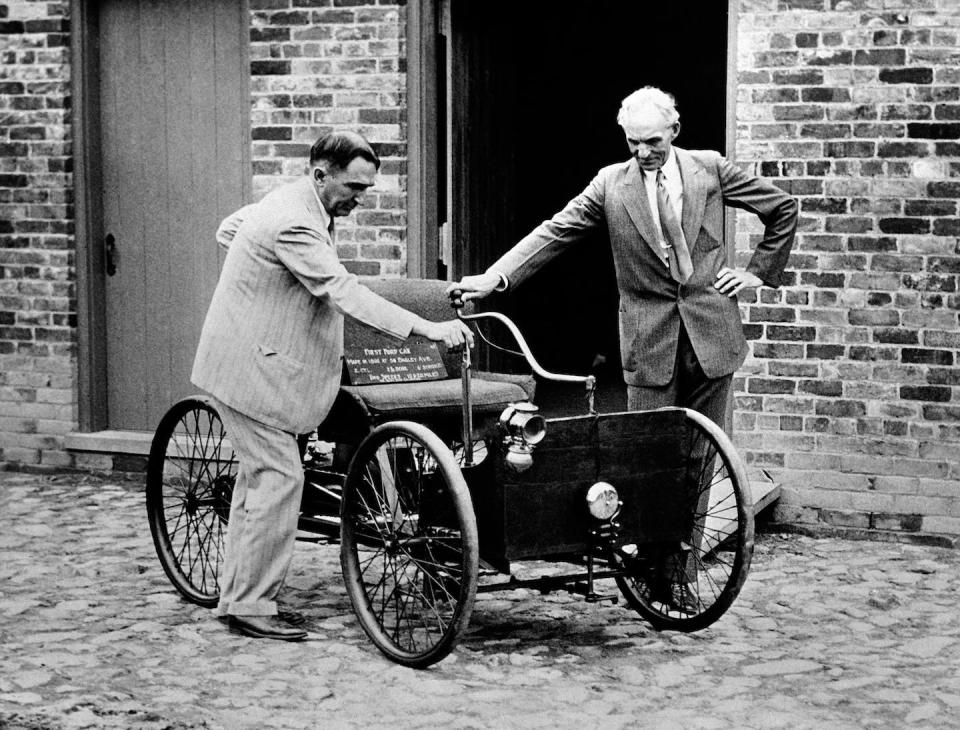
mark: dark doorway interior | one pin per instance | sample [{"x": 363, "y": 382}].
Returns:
[{"x": 537, "y": 86}]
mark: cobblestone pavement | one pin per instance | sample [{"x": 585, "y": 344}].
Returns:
[{"x": 826, "y": 634}]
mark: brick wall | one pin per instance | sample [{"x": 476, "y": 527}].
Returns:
[
  {"x": 315, "y": 65},
  {"x": 318, "y": 65},
  {"x": 37, "y": 297},
  {"x": 851, "y": 398}
]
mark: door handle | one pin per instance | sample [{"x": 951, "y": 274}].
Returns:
[{"x": 110, "y": 251}]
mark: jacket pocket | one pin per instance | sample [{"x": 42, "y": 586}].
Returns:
[
  {"x": 277, "y": 359},
  {"x": 279, "y": 380}
]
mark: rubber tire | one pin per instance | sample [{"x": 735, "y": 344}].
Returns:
[
  {"x": 188, "y": 496},
  {"x": 712, "y": 605},
  {"x": 395, "y": 547}
]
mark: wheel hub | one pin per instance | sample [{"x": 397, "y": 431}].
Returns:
[
  {"x": 222, "y": 489},
  {"x": 191, "y": 504}
]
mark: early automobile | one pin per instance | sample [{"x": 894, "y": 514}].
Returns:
[{"x": 434, "y": 486}]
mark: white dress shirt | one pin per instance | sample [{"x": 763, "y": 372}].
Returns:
[{"x": 674, "y": 186}]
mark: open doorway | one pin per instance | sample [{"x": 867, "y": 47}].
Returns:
[{"x": 534, "y": 89}]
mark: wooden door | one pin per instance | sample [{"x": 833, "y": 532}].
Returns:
[{"x": 174, "y": 141}]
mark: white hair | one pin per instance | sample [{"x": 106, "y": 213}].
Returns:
[{"x": 646, "y": 98}]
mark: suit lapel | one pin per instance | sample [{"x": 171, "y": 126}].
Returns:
[
  {"x": 694, "y": 195},
  {"x": 634, "y": 198}
]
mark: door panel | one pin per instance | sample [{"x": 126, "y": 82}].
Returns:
[{"x": 175, "y": 161}]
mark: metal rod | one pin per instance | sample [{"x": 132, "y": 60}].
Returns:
[
  {"x": 591, "y": 392},
  {"x": 465, "y": 366},
  {"x": 547, "y": 581},
  {"x": 525, "y": 349}
]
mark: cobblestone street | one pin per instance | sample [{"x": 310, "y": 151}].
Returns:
[{"x": 826, "y": 634}]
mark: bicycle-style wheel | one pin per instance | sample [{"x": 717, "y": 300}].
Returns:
[
  {"x": 409, "y": 543},
  {"x": 686, "y": 586},
  {"x": 190, "y": 477}
]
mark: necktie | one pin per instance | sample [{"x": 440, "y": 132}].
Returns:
[
  {"x": 680, "y": 265},
  {"x": 330, "y": 230}
]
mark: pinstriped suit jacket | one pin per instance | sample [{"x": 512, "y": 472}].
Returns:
[
  {"x": 652, "y": 304},
  {"x": 271, "y": 346}
]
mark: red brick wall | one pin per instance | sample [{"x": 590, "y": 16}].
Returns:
[
  {"x": 852, "y": 396},
  {"x": 318, "y": 65},
  {"x": 37, "y": 296}
]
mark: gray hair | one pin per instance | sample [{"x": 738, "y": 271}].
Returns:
[{"x": 647, "y": 97}]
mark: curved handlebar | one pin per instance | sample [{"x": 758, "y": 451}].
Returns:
[{"x": 456, "y": 301}]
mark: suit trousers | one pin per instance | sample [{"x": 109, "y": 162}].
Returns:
[
  {"x": 263, "y": 515},
  {"x": 688, "y": 388}
]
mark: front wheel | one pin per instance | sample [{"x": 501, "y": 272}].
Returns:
[
  {"x": 687, "y": 585},
  {"x": 190, "y": 477},
  {"x": 409, "y": 549}
]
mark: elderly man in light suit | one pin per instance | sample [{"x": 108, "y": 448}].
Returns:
[
  {"x": 270, "y": 354},
  {"x": 681, "y": 337}
]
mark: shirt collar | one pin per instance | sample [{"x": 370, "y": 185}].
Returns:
[
  {"x": 671, "y": 168},
  {"x": 324, "y": 216}
]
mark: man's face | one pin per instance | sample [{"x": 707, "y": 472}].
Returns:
[
  {"x": 341, "y": 191},
  {"x": 649, "y": 137}
]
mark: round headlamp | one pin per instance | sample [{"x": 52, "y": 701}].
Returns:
[
  {"x": 603, "y": 501},
  {"x": 522, "y": 428},
  {"x": 523, "y": 423}
]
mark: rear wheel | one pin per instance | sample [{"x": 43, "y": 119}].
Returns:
[
  {"x": 409, "y": 543},
  {"x": 190, "y": 476},
  {"x": 688, "y": 585}
]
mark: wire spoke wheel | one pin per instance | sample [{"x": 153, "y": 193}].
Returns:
[
  {"x": 688, "y": 584},
  {"x": 409, "y": 544},
  {"x": 190, "y": 476}
]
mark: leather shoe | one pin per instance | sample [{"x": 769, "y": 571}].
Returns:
[
  {"x": 677, "y": 597},
  {"x": 266, "y": 627},
  {"x": 289, "y": 616}
]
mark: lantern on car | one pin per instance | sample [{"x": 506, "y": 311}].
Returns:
[
  {"x": 603, "y": 502},
  {"x": 523, "y": 428}
]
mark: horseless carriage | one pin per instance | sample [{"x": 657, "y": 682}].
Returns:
[{"x": 435, "y": 486}]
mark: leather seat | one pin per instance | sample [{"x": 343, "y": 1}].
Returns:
[
  {"x": 435, "y": 403},
  {"x": 415, "y": 401}
]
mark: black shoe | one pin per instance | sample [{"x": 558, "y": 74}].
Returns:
[
  {"x": 675, "y": 597},
  {"x": 266, "y": 627},
  {"x": 289, "y": 616}
]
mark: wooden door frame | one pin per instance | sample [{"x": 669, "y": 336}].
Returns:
[
  {"x": 730, "y": 133},
  {"x": 423, "y": 144},
  {"x": 88, "y": 207},
  {"x": 88, "y": 217}
]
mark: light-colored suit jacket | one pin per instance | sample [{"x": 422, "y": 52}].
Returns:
[
  {"x": 272, "y": 343},
  {"x": 652, "y": 304}
]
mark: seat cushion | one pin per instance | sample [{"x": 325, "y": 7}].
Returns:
[{"x": 409, "y": 400}]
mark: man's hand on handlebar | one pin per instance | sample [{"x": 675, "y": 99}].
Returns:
[
  {"x": 453, "y": 333},
  {"x": 476, "y": 287}
]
